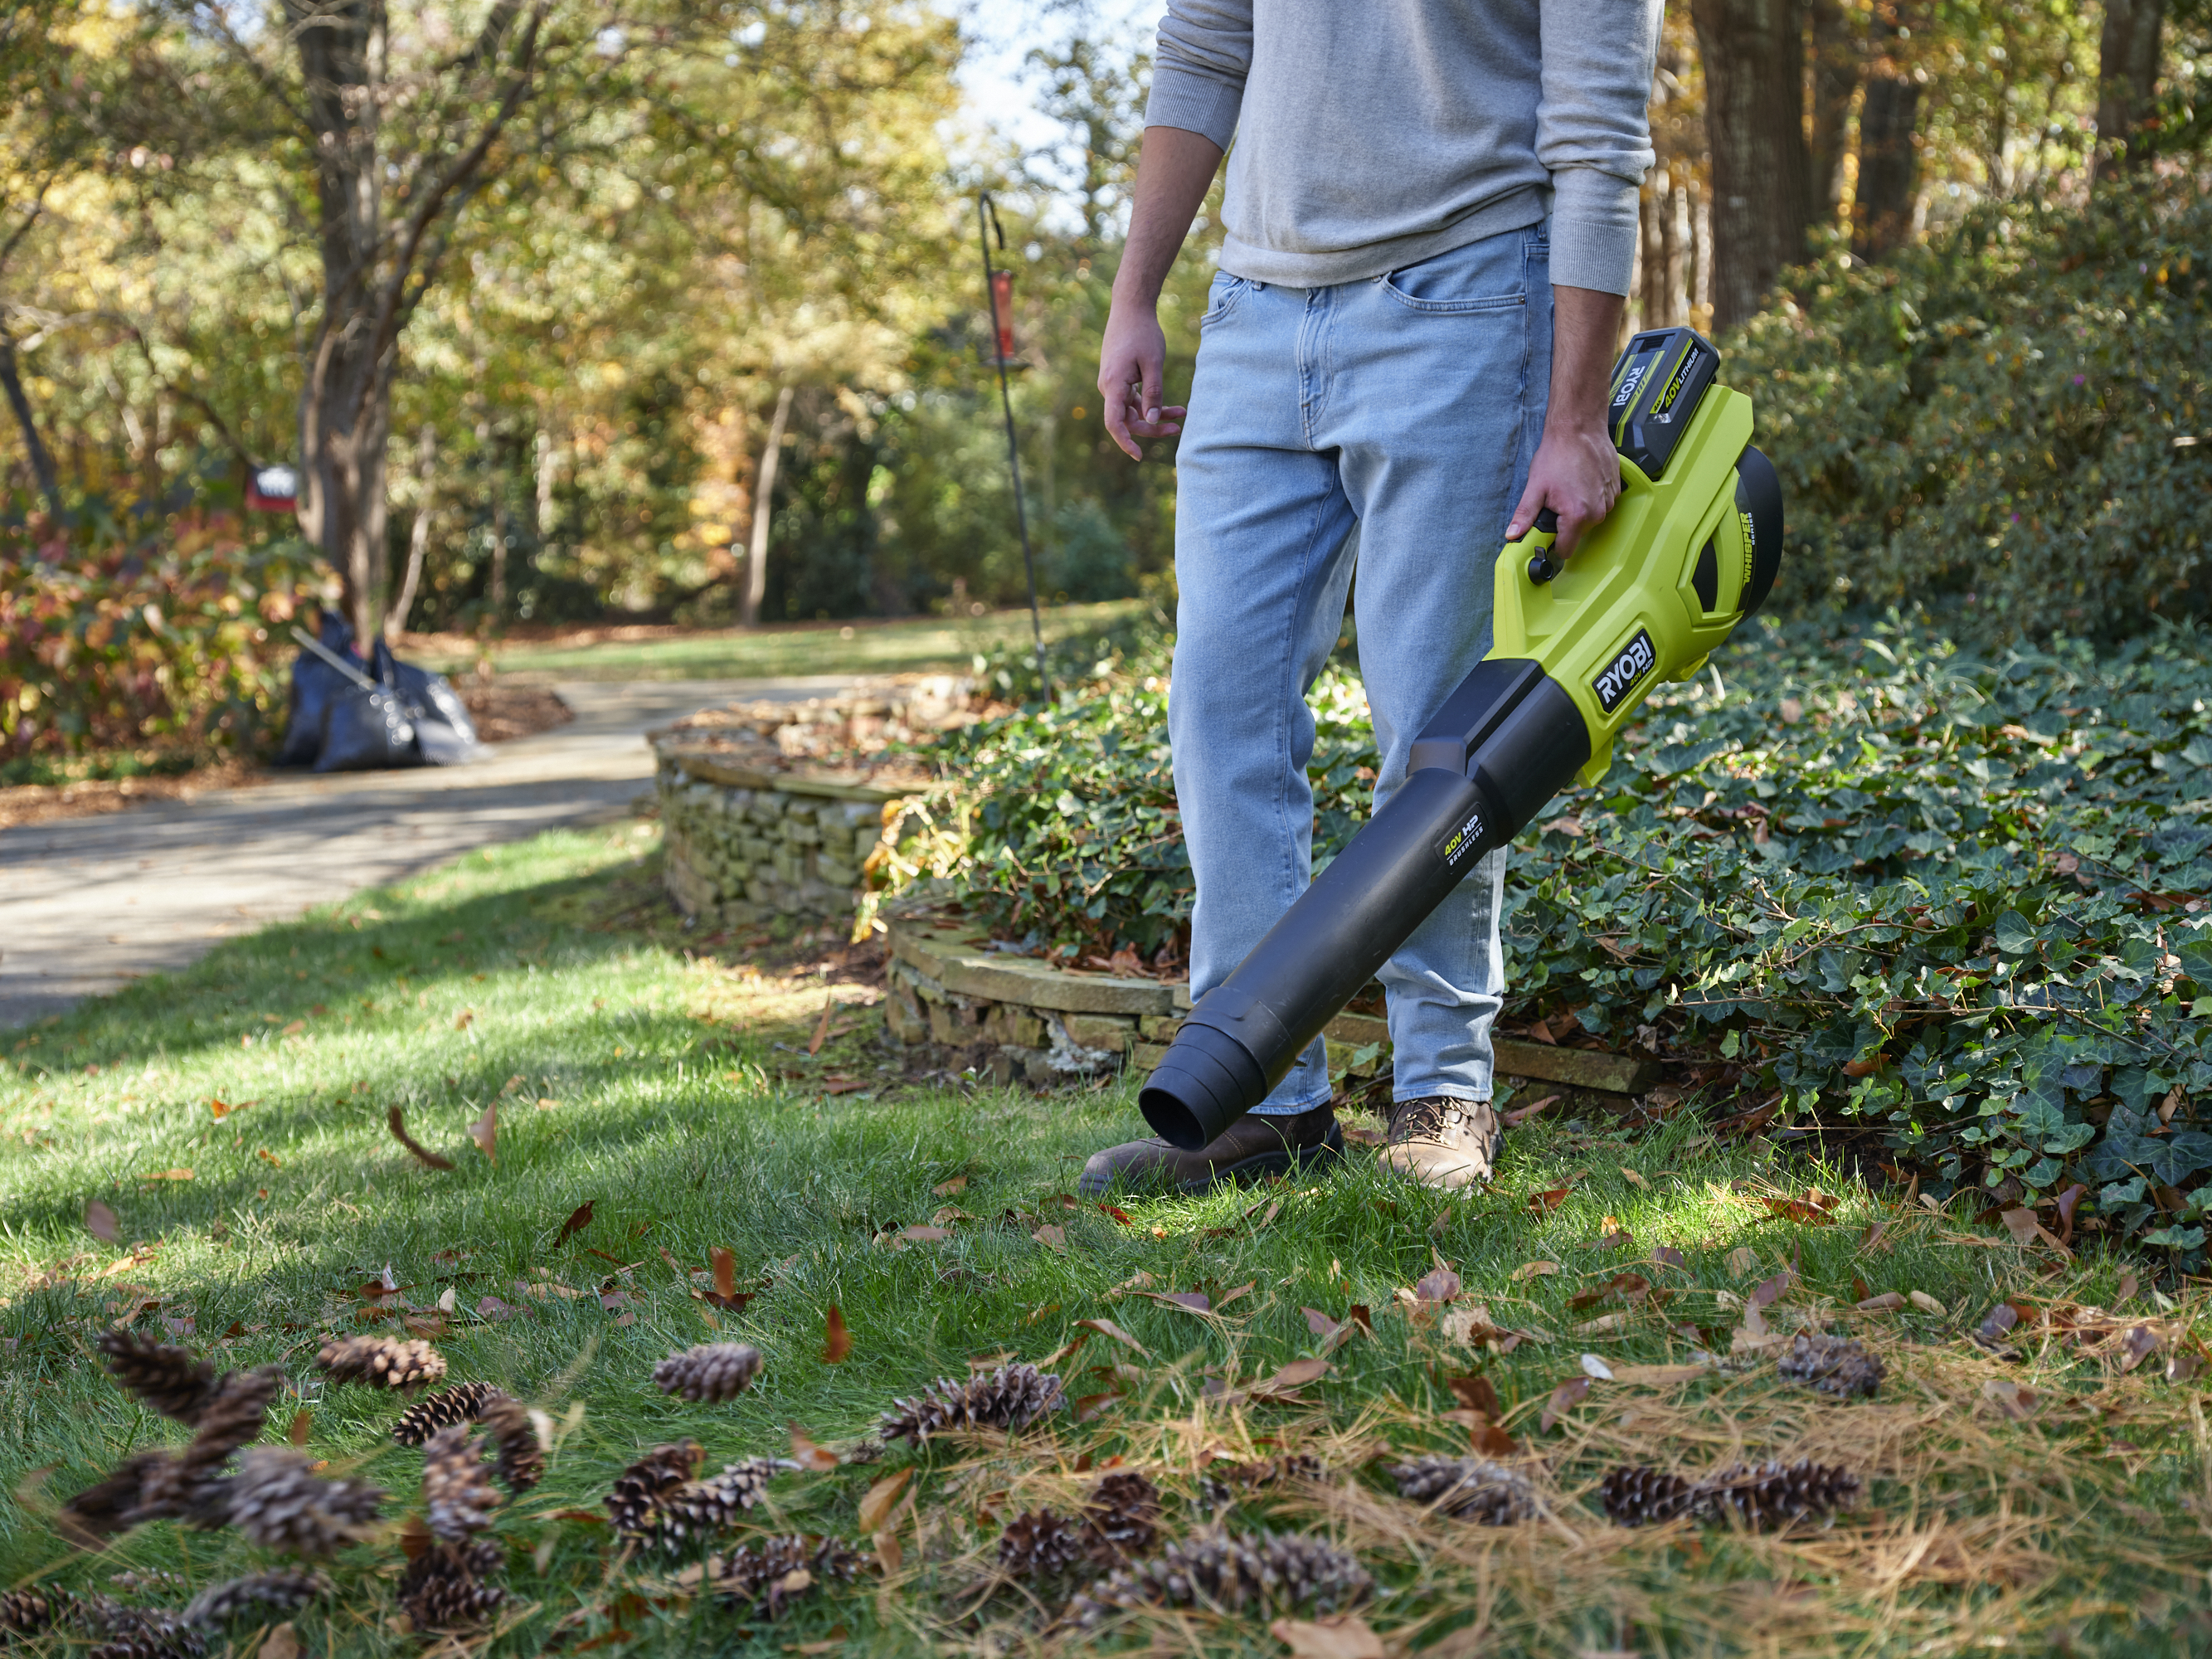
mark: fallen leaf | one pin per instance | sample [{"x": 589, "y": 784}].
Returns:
[
  {"x": 2129, "y": 1285},
  {"x": 1565, "y": 1398},
  {"x": 1229, "y": 1296},
  {"x": 806, "y": 1454},
  {"x": 836, "y": 1341},
  {"x": 1804, "y": 1212},
  {"x": 223, "y": 1109},
  {"x": 2067, "y": 1201},
  {"x": 1341, "y": 1636},
  {"x": 2014, "y": 1399},
  {"x": 1118, "y": 1214},
  {"x": 1597, "y": 1369},
  {"x": 1927, "y": 1304},
  {"x": 1668, "y": 1256},
  {"x": 1089, "y": 1405},
  {"x": 1189, "y": 1301},
  {"x": 396, "y": 1121},
  {"x": 491, "y": 1308},
  {"x": 946, "y": 1188},
  {"x": 1604, "y": 1325},
  {"x": 882, "y": 1497},
  {"x": 1887, "y": 1302},
  {"x": 485, "y": 1132},
  {"x": 1635, "y": 1179},
  {"x": 100, "y": 1222},
  {"x": 415, "y": 1537},
  {"x": 821, "y": 1025},
  {"x": 2138, "y": 1345},
  {"x": 168, "y": 1175},
  {"x": 1743, "y": 1260},
  {"x": 1053, "y": 1238},
  {"x": 1477, "y": 1394},
  {"x": 1871, "y": 1239},
  {"x": 462, "y": 1020},
  {"x": 1108, "y": 1328},
  {"x": 1659, "y": 1376},
  {"x": 888, "y": 1557},
  {"x": 1469, "y": 1325},
  {"x": 1621, "y": 1287},
  {"x": 1522, "y": 1114},
  {"x": 1528, "y": 1270},
  {"x": 282, "y": 1642},
  {"x": 579, "y": 1218},
  {"x": 1768, "y": 1291},
  {"x": 1549, "y": 1198},
  {"x": 303, "y": 1423}
]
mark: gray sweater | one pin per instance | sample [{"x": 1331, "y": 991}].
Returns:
[{"x": 1372, "y": 134}]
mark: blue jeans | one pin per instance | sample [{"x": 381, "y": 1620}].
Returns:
[{"x": 1406, "y": 407}]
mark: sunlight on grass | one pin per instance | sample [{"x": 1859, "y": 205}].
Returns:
[{"x": 673, "y": 1090}]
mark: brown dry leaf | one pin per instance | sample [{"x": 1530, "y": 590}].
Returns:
[
  {"x": 491, "y": 1308},
  {"x": 889, "y": 1555},
  {"x": 1805, "y": 1212},
  {"x": 1927, "y": 1304},
  {"x": 1634, "y": 1178},
  {"x": 882, "y": 1497},
  {"x": 2129, "y": 1285},
  {"x": 725, "y": 1264},
  {"x": 1565, "y": 1398},
  {"x": 1228, "y": 1296},
  {"x": 1477, "y": 1394},
  {"x": 414, "y": 1536},
  {"x": 1439, "y": 1284},
  {"x": 1090, "y": 1405},
  {"x": 2014, "y": 1400},
  {"x": 1768, "y": 1291},
  {"x": 1549, "y": 1198},
  {"x": 836, "y": 1340},
  {"x": 99, "y": 1221},
  {"x": 2138, "y": 1345},
  {"x": 303, "y": 1424},
  {"x": 1887, "y": 1302},
  {"x": 1468, "y": 1325},
  {"x": 947, "y": 1189},
  {"x": 1108, "y": 1328},
  {"x": 222, "y": 1108},
  {"x": 1053, "y": 1238},
  {"x": 282, "y": 1642},
  {"x": 1659, "y": 1377},
  {"x": 1195, "y": 1301},
  {"x": 396, "y": 1121},
  {"x": 1339, "y": 1636},
  {"x": 485, "y": 1132},
  {"x": 1528, "y": 1270},
  {"x": 579, "y": 1218},
  {"x": 1522, "y": 1114},
  {"x": 923, "y": 1235},
  {"x": 463, "y": 1019},
  {"x": 822, "y": 1026},
  {"x": 1743, "y": 1260},
  {"x": 168, "y": 1175},
  {"x": 1668, "y": 1256},
  {"x": 807, "y": 1455}
]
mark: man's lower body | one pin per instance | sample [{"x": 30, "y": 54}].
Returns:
[{"x": 1409, "y": 407}]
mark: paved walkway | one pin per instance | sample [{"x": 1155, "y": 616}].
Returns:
[{"x": 88, "y": 903}]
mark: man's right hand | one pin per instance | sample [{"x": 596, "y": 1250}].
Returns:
[
  {"x": 1132, "y": 362},
  {"x": 1174, "y": 170}
]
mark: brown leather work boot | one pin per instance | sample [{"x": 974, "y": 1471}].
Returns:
[
  {"x": 1443, "y": 1142},
  {"x": 1250, "y": 1148}
]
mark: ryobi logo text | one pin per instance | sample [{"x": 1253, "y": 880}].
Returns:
[
  {"x": 1630, "y": 664},
  {"x": 1630, "y": 381},
  {"x": 1463, "y": 840}
]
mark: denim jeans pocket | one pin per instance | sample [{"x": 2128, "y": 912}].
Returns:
[
  {"x": 1221, "y": 297},
  {"x": 1491, "y": 275}
]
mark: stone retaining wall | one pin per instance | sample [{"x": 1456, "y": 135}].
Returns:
[
  {"x": 1019, "y": 1018},
  {"x": 746, "y": 852}
]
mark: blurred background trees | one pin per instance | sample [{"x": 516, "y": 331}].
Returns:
[{"x": 522, "y": 286}]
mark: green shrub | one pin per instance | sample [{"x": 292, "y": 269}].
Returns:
[
  {"x": 172, "y": 643},
  {"x": 1953, "y": 903},
  {"x": 2007, "y": 425}
]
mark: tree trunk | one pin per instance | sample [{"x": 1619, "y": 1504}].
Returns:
[
  {"x": 42, "y": 461},
  {"x": 764, "y": 506},
  {"x": 1835, "y": 79},
  {"x": 418, "y": 535},
  {"x": 1754, "y": 58},
  {"x": 1882, "y": 214},
  {"x": 2127, "y": 74}
]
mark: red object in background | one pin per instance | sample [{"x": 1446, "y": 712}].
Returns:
[
  {"x": 272, "y": 490},
  {"x": 1002, "y": 311}
]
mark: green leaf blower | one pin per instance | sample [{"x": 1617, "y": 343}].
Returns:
[{"x": 1689, "y": 551}]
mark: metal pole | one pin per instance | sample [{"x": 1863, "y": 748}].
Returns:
[{"x": 987, "y": 222}]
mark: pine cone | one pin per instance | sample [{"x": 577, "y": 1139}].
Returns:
[
  {"x": 634, "y": 1504},
  {"x": 1470, "y": 1488},
  {"x": 1224, "y": 1477},
  {"x": 234, "y": 1415},
  {"x": 382, "y": 1362},
  {"x": 1836, "y": 1365},
  {"x": 1122, "y": 1514},
  {"x": 1011, "y": 1397},
  {"x": 153, "y": 1639},
  {"x": 449, "y": 1585},
  {"x": 276, "y": 1501},
  {"x": 28, "y": 1612},
  {"x": 711, "y": 1373},
  {"x": 1646, "y": 1496},
  {"x": 521, "y": 1459},
  {"x": 700, "y": 1509},
  {"x": 281, "y": 1591},
  {"x": 107, "y": 1506},
  {"x": 1762, "y": 1496},
  {"x": 458, "y": 1495},
  {"x": 778, "y": 1570},
  {"x": 1227, "y": 1573},
  {"x": 1042, "y": 1543},
  {"x": 168, "y": 1380},
  {"x": 462, "y": 1403}
]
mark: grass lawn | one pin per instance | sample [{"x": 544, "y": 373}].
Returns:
[
  {"x": 2051, "y": 1501},
  {"x": 859, "y": 647}
]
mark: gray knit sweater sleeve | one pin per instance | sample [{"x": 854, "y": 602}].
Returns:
[
  {"x": 1593, "y": 135},
  {"x": 1198, "y": 78}
]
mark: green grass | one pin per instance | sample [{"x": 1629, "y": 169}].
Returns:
[
  {"x": 859, "y": 647},
  {"x": 677, "y": 1115}
]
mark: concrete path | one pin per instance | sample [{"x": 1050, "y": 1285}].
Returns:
[{"x": 88, "y": 903}]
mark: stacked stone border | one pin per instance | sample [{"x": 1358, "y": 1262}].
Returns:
[
  {"x": 743, "y": 846},
  {"x": 1020, "y": 1019}
]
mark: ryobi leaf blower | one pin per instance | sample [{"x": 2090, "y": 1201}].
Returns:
[{"x": 1689, "y": 551}]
